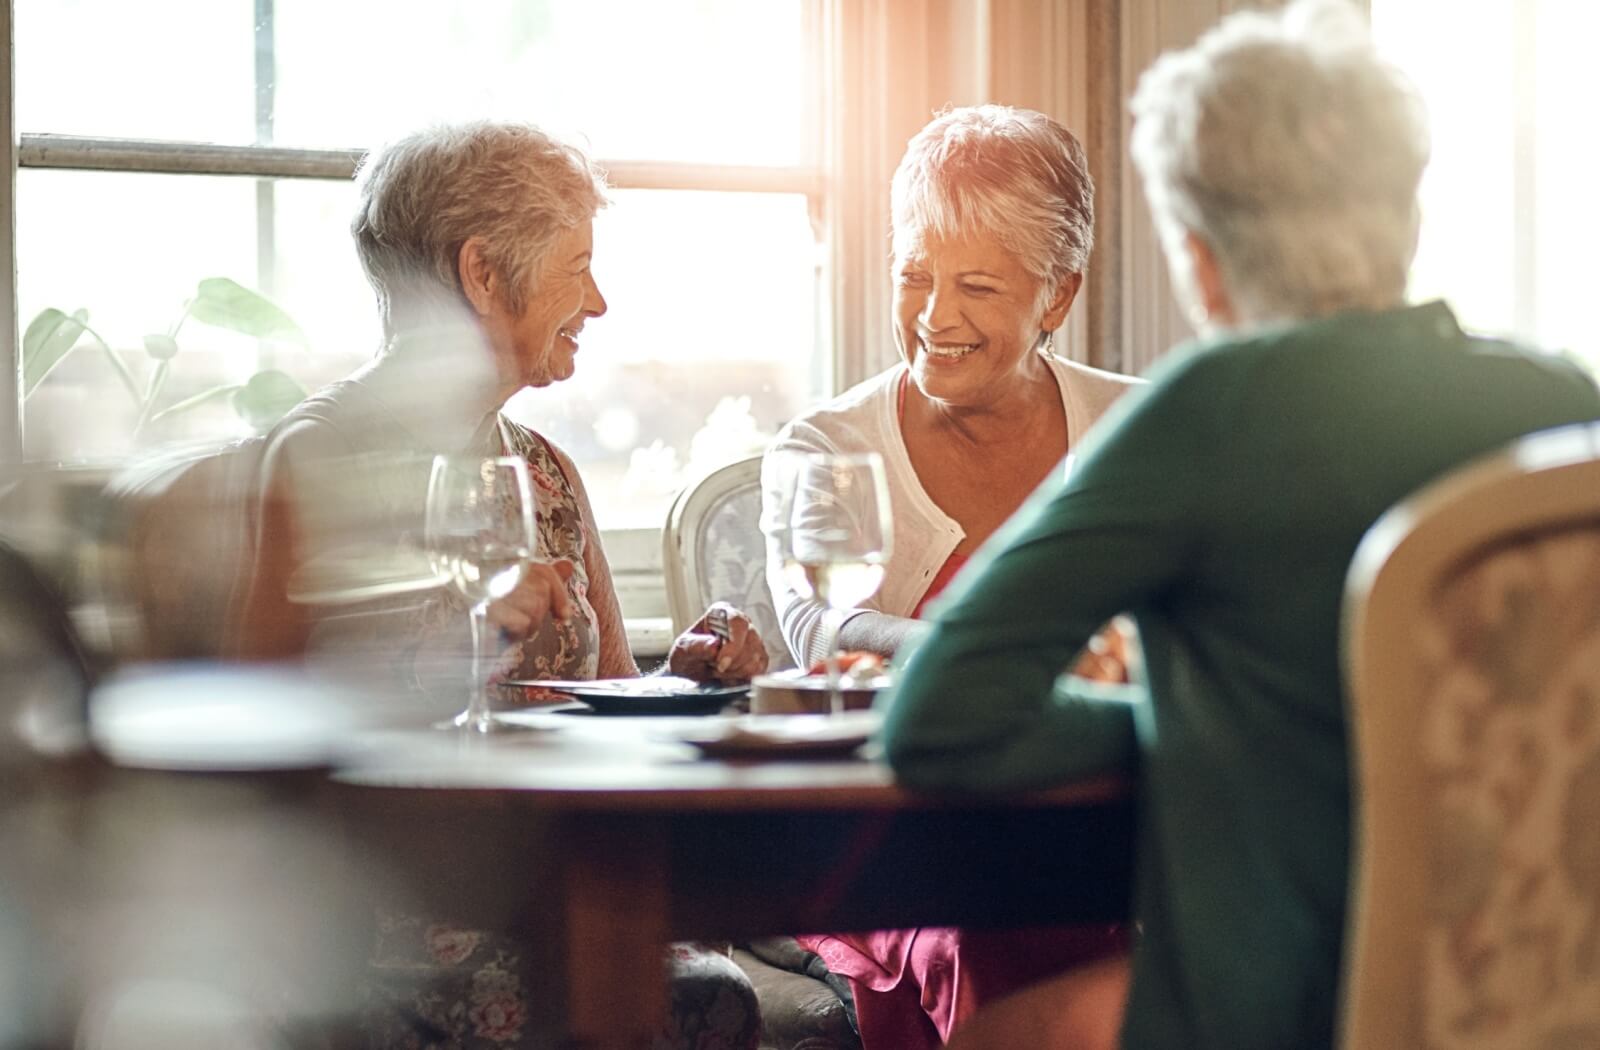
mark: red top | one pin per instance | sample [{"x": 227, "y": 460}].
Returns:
[{"x": 941, "y": 579}]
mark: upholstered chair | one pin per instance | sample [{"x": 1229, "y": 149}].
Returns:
[
  {"x": 1473, "y": 662},
  {"x": 713, "y": 550}
]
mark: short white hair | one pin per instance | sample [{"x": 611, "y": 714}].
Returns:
[
  {"x": 425, "y": 195},
  {"x": 1012, "y": 174},
  {"x": 1285, "y": 143}
]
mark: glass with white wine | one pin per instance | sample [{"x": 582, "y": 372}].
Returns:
[
  {"x": 479, "y": 536},
  {"x": 836, "y": 539}
]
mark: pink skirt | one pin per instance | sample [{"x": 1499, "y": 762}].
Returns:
[{"x": 913, "y": 987}]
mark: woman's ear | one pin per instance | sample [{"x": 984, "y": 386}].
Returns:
[
  {"x": 1055, "y": 312},
  {"x": 479, "y": 283},
  {"x": 1214, "y": 303}
]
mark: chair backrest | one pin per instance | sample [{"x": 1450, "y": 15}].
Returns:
[
  {"x": 713, "y": 550},
  {"x": 1472, "y": 651},
  {"x": 45, "y": 673}
]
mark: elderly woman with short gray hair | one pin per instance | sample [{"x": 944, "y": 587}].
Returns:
[
  {"x": 993, "y": 221},
  {"x": 1281, "y": 158},
  {"x": 477, "y": 240}
]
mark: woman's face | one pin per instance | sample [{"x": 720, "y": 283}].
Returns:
[
  {"x": 968, "y": 315},
  {"x": 537, "y": 346}
]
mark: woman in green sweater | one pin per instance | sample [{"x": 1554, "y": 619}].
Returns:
[{"x": 1220, "y": 505}]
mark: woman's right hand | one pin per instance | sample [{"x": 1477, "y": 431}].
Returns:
[
  {"x": 540, "y": 594},
  {"x": 1109, "y": 654}
]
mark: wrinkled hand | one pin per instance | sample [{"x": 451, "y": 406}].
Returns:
[
  {"x": 540, "y": 594},
  {"x": 699, "y": 654},
  {"x": 1108, "y": 656}
]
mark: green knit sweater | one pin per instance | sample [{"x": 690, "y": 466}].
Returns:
[{"x": 1220, "y": 505}]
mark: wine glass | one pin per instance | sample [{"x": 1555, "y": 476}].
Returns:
[
  {"x": 479, "y": 537},
  {"x": 836, "y": 538}
]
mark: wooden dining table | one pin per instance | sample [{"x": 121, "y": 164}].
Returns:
[{"x": 597, "y": 841}]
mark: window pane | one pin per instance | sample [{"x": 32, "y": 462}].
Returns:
[
  {"x": 180, "y": 70},
  {"x": 1466, "y": 251},
  {"x": 1508, "y": 261},
  {"x": 702, "y": 80},
  {"x": 717, "y": 81},
  {"x": 1567, "y": 220},
  {"x": 131, "y": 250},
  {"x": 709, "y": 345}
]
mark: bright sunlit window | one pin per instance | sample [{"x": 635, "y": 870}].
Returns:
[
  {"x": 1510, "y": 218},
  {"x": 190, "y": 284}
]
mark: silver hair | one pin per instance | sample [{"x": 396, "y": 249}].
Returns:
[
  {"x": 423, "y": 196},
  {"x": 1013, "y": 174},
  {"x": 1285, "y": 143}
]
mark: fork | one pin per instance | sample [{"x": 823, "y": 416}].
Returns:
[{"x": 717, "y": 622}]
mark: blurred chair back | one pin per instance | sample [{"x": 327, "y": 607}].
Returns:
[
  {"x": 45, "y": 670},
  {"x": 47, "y": 771},
  {"x": 713, "y": 550},
  {"x": 1472, "y": 653}
]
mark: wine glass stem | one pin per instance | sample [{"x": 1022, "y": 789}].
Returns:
[
  {"x": 479, "y": 717},
  {"x": 831, "y": 663}
]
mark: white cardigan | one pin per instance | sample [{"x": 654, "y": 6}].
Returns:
[{"x": 867, "y": 418}]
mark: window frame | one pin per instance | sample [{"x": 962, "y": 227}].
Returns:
[{"x": 270, "y": 162}]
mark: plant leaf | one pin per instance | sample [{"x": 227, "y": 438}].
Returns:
[
  {"x": 162, "y": 347},
  {"x": 197, "y": 400},
  {"x": 266, "y": 396},
  {"x": 50, "y": 337},
  {"x": 228, "y": 304}
]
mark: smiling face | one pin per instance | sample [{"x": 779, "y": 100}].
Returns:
[
  {"x": 968, "y": 315},
  {"x": 537, "y": 346}
]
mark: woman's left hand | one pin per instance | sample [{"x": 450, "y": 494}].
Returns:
[{"x": 699, "y": 652}]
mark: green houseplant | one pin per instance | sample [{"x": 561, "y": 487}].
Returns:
[{"x": 260, "y": 400}]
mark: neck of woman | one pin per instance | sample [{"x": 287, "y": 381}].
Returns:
[{"x": 1015, "y": 412}]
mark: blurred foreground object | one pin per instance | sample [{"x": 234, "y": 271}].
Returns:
[
  {"x": 188, "y": 889},
  {"x": 44, "y": 685}
]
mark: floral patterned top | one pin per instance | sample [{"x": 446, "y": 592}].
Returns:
[
  {"x": 593, "y": 643},
  {"x": 558, "y": 649}
]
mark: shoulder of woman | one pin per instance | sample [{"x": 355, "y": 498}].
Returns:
[
  {"x": 534, "y": 447},
  {"x": 301, "y": 439},
  {"x": 1087, "y": 377},
  {"x": 1094, "y": 388}
]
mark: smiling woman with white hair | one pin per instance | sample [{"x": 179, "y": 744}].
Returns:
[
  {"x": 1220, "y": 505},
  {"x": 993, "y": 216},
  {"x": 993, "y": 213}
]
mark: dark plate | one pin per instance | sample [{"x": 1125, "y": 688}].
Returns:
[{"x": 649, "y": 695}]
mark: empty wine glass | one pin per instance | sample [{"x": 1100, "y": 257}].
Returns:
[
  {"x": 836, "y": 538},
  {"x": 479, "y": 537}
]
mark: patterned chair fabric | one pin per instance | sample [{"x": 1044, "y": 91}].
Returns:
[
  {"x": 713, "y": 550},
  {"x": 1474, "y": 664}
]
